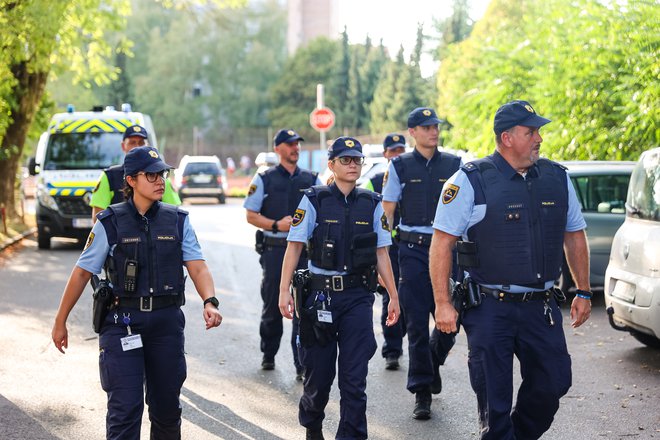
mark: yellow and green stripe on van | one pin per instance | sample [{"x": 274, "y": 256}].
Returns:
[
  {"x": 68, "y": 189},
  {"x": 91, "y": 125}
]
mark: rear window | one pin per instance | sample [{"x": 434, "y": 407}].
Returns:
[
  {"x": 80, "y": 151},
  {"x": 602, "y": 193},
  {"x": 644, "y": 193},
  {"x": 201, "y": 168}
]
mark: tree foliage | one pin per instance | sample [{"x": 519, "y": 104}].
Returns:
[{"x": 591, "y": 67}]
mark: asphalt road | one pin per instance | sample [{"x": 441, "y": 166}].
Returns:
[{"x": 47, "y": 395}]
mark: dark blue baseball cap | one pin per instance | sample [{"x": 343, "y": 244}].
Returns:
[
  {"x": 394, "y": 140},
  {"x": 286, "y": 135},
  {"x": 345, "y": 146},
  {"x": 144, "y": 159},
  {"x": 135, "y": 130},
  {"x": 422, "y": 116},
  {"x": 517, "y": 113}
]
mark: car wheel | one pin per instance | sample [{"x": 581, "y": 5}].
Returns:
[
  {"x": 565, "y": 280},
  {"x": 222, "y": 199},
  {"x": 43, "y": 240},
  {"x": 648, "y": 340}
]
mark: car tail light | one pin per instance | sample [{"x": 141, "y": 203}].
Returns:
[
  {"x": 219, "y": 179},
  {"x": 184, "y": 180}
]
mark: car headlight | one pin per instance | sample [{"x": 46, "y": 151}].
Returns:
[{"x": 45, "y": 198}]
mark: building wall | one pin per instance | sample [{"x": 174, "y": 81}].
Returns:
[{"x": 309, "y": 19}]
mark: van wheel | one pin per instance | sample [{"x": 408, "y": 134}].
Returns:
[
  {"x": 43, "y": 240},
  {"x": 565, "y": 280},
  {"x": 222, "y": 199},
  {"x": 648, "y": 340}
]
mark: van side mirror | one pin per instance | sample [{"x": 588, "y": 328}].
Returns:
[{"x": 32, "y": 167}]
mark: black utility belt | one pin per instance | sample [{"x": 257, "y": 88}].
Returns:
[
  {"x": 148, "y": 303},
  {"x": 415, "y": 237},
  {"x": 275, "y": 241},
  {"x": 517, "y": 297},
  {"x": 337, "y": 283}
]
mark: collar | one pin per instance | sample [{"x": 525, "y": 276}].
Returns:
[
  {"x": 284, "y": 171},
  {"x": 151, "y": 212},
  {"x": 505, "y": 168},
  {"x": 340, "y": 195},
  {"x": 417, "y": 155}
]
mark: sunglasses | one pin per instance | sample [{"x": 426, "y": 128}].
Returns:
[
  {"x": 152, "y": 177},
  {"x": 345, "y": 160}
]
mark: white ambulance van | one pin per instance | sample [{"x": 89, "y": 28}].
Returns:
[{"x": 69, "y": 159}]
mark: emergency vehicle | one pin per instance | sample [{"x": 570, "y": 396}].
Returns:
[{"x": 69, "y": 160}]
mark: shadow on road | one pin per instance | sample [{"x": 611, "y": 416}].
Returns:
[
  {"x": 16, "y": 424},
  {"x": 219, "y": 420}
]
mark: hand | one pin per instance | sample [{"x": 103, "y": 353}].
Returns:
[
  {"x": 60, "y": 336},
  {"x": 284, "y": 224},
  {"x": 286, "y": 304},
  {"x": 445, "y": 317},
  {"x": 212, "y": 316},
  {"x": 580, "y": 311},
  {"x": 393, "y": 312}
]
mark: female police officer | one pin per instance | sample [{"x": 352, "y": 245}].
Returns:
[
  {"x": 348, "y": 237},
  {"x": 141, "y": 341}
]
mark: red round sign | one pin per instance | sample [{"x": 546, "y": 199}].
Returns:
[{"x": 322, "y": 119}]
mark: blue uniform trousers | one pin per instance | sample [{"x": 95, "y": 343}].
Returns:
[
  {"x": 160, "y": 366},
  {"x": 393, "y": 336},
  {"x": 416, "y": 298},
  {"x": 352, "y": 315},
  {"x": 496, "y": 331},
  {"x": 271, "y": 327}
]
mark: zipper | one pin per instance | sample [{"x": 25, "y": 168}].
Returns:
[{"x": 149, "y": 255}]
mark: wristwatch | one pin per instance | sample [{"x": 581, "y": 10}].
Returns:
[
  {"x": 584, "y": 294},
  {"x": 274, "y": 227},
  {"x": 213, "y": 300}
]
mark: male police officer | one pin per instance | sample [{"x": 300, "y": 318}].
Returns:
[
  {"x": 272, "y": 199},
  {"x": 514, "y": 211},
  {"x": 108, "y": 190},
  {"x": 415, "y": 181},
  {"x": 394, "y": 145}
]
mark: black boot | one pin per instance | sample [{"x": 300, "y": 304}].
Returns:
[
  {"x": 314, "y": 434},
  {"x": 422, "y": 409},
  {"x": 436, "y": 385},
  {"x": 267, "y": 363}
]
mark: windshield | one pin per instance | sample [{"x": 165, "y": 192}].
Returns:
[
  {"x": 81, "y": 151},
  {"x": 201, "y": 168},
  {"x": 644, "y": 191}
]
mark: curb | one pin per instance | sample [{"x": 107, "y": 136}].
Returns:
[{"x": 16, "y": 238}]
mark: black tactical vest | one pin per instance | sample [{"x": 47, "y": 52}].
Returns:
[
  {"x": 284, "y": 190},
  {"x": 521, "y": 237},
  {"x": 347, "y": 223},
  {"x": 115, "y": 176},
  {"x": 422, "y": 184},
  {"x": 153, "y": 240}
]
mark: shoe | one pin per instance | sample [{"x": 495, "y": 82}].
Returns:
[
  {"x": 422, "y": 409},
  {"x": 314, "y": 434},
  {"x": 300, "y": 374},
  {"x": 267, "y": 363},
  {"x": 392, "y": 363},
  {"x": 436, "y": 385}
]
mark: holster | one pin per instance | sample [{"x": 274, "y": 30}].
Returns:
[
  {"x": 372, "y": 279},
  {"x": 259, "y": 242},
  {"x": 458, "y": 296},
  {"x": 300, "y": 289},
  {"x": 102, "y": 300}
]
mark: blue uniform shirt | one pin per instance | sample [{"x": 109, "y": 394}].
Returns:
[
  {"x": 255, "y": 200},
  {"x": 93, "y": 257},
  {"x": 303, "y": 231},
  {"x": 392, "y": 190},
  {"x": 457, "y": 216}
]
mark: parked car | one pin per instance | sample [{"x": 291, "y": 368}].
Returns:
[
  {"x": 632, "y": 280},
  {"x": 201, "y": 176},
  {"x": 601, "y": 188}
]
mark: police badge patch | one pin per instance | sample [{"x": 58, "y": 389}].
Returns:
[
  {"x": 384, "y": 223},
  {"x": 449, "y": 193},
  {"x": 252, "y": 189},
  {"x": 298, "y": 217},
  {"x": 90, "y": 240},
  {"x": 387, "y": 173}
]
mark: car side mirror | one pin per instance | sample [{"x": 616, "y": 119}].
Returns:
[{"x": 33, "y": 167}]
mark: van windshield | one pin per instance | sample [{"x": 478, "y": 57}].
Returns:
[
  {"x": 81, "y": 151},
  {"x": 644, "y": 191}
]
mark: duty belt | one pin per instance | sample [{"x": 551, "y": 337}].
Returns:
[
  {"x": 415, "y": 237},
  {"x": 274, "y": 241},
  {"x": 337, "y": 283},
  {"x": 516, "y": 297},
  {"x": 148, "y": 303}
]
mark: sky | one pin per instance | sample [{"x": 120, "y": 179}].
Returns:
[{"x": 395, "y": 21}]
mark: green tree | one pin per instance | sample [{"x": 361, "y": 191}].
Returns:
[
  {"x": 454, "y": 28},
  {"x": 383, "y": 101}
]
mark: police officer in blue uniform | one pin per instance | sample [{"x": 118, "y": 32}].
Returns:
[
  {"x": 414, "y": 181},
  {"x": 272, "y": 198},
  {"x": 510, "y": 214},
  {"x": 348, "y": 238},
  {"x": 144, "y": 245},
  {"x": 394, "y": 145}
]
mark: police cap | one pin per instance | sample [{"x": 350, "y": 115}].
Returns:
[
  {"x": 517, "y": 113},
  {"x": 422, "y": 116},
  {"x": 135, "y": 130},
  {"x": 286, "y": 135},
  {"x": 345, "y": 146},
  {"x": 394, "y": 140},
  {"x": 144, "y": 159}
]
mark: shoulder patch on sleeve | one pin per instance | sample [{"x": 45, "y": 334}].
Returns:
[
  {"x": 252, "y": 189},
  {"x": 385, "y": 176},
  {"x": 298, "y": 217},
  {"x": 383, "y": 222},
  {"x": 450, "y": 193},
  {"x": 90, "y": 240}
]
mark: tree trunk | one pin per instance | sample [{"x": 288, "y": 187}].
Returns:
[{"x": 28, "y": 92}]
